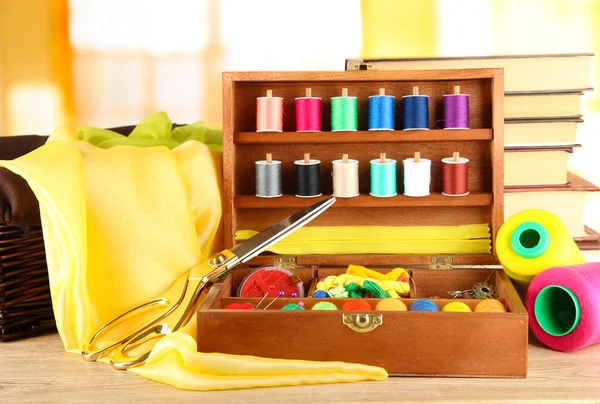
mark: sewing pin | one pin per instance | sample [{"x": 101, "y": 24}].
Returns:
[
  {"x": 271, "y": 287},
  {"x": 280, "y": 294},
  {"x": 294, "y": 294},
  {"x": 299, "y": 304}
]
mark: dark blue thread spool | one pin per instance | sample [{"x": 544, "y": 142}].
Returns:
[{"x": 416, "y": 111}]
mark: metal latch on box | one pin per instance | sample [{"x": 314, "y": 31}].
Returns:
[
  {"x": 440, "y": 262},
  {"x": 362, "y": 322}
]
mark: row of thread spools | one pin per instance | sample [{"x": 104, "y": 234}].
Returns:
[
  {"x": 383, "y": 176},
  {"x": 344, "y": 112}
]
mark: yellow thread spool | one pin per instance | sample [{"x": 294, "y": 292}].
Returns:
[
  {"x": 456, "y": 307},
  {"x": 391, "y": 305},
  {"x": 532, "y": 241}
]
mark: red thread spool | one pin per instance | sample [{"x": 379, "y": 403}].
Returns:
[
  {"x": 308, "y": 113},
  {"x": 269, "y": 113},
  {"x": 455, "y": 180}
]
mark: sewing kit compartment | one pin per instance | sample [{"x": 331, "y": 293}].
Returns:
[{"x": 258, "y": 132}]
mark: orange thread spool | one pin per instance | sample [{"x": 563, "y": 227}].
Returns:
[{"x": 490, "y": 306}]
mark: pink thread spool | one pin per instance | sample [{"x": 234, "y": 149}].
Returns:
[
  {"x": 269, "y": 113},
  {"x": 563, "y": 304},
  {"x": 308, "y": 113}
]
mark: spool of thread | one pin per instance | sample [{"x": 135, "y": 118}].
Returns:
[
  {"x": 381, "y": 111},
  {"x": 268, "y": 177},
  {"x": 455, "y": 178},
  {"x": 417, "y": 176},
  {"x": 324, "y": 306},
  {"x": 456, "y": 307},
  {"x": 308, "y": 177},
  {"x": 391, "y": 305},
  {"x": 490, "y": 306},
  {"x": 564, "y": 307},
  {"x": 533, "y": 240},
  {"x": 320, "y": 294},
  {"x": 345, "y": 177},
  {"x": 416, "y": 111},
  {"x": 456, "y": 110},
  {"x": 239, "y": 306},
  {"x": 383, "y": 177},
  {"x": 423, "y": 305},
  {"x": 269, "y": 113},
  {"x": 357, "y": 305},
  {"x": 293, "y": 306},
  {"x": 308, "y": 113},
  {"x": 344, "y": 113}
]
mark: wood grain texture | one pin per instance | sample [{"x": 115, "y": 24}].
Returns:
[
  {"x": 38, "y": 370},
  {"x": 436, "y": 135}
]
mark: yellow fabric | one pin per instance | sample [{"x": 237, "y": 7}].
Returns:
[
  {"x": 120, "y": 226},
  {"x": 343, "y": 240},
  {"x": 365, "y": 272},
  {"x": 392, "y": 288}
]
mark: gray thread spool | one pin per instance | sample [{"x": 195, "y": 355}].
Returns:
[{"x": 268, "y": 178}]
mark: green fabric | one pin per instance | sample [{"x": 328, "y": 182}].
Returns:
[{"x": 155, "y": 130}]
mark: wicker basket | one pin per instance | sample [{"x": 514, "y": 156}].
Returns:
[{"x": 25, "y": 304}]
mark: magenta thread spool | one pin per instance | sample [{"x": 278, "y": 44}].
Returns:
[
  {"x": 308, "y": 113},
  {"x": 456, "y": 110}
]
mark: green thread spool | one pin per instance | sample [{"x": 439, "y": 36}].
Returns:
[
  {"x": 557, "y": 310},
  {"x": 344, "y": 113},
  {"x": 383, "y": 177}
]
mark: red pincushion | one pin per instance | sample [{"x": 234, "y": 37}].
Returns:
[{"x": 270, "y": 281}]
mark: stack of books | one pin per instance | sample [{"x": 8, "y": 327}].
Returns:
[{"x": 542, "y": 114}]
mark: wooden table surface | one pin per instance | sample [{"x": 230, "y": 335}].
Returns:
[{"x": 38, "y": 370}]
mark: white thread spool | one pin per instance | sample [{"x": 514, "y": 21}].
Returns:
[
  {"x": 417, "y": 176},
  {"x": 345, "y": 177}
]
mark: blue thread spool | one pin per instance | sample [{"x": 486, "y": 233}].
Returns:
[
  {"x": 383, "y": 177},
  {"x": 423, "y": 305},
  {"x": 320, "y": 294},
  {"x": 416, "y": 111},
  {"x": 381, "y": 111}
]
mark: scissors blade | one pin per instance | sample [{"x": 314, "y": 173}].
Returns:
[{"x": 266, "y": 238}]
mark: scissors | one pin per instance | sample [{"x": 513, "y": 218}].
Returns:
[{"x": 179, "y": 304}]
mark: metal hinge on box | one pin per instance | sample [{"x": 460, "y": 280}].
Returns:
[
  {"x": 285, "y": 261},
  {"x": 440, "y": 262}
]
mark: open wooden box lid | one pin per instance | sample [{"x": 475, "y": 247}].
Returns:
[{"x": 482, "y": 144}]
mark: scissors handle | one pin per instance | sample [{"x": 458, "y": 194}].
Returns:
[{"x": 180, "y": 304}]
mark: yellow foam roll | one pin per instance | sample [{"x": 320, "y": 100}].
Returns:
[{"x": 532, "y": 241}]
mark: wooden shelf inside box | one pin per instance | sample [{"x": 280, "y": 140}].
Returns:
[
  {"x": 406, "y": 343},
  {"x": 398, "y": 136}
]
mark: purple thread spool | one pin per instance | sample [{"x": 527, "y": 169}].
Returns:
[{"x": 456, "y": 110}]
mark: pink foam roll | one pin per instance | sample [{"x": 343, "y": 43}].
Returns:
[{"x": 571, "y": 286}]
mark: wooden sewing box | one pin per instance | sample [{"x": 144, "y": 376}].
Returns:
[{"x": 404, "y": 343}]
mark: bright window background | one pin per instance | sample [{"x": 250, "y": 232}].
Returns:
[{"x": 135, "y": 57}]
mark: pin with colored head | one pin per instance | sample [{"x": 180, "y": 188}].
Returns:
[
  {"x": 280, "y": 294},
  {"x": 271, "y": 287},
  {"x": 293, "y": 295}
]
